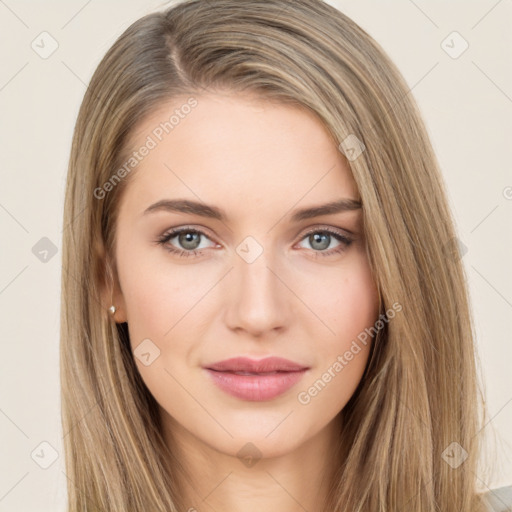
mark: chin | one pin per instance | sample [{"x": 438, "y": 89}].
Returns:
[{"x": 268, "y": 436}]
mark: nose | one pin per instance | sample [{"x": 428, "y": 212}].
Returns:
[{"x": 257, "y": 298}]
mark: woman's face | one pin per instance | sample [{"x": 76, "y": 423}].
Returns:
[{"x": 254, "y": 274}]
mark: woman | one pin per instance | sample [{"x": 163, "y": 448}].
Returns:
[{"x": 263, "y": 302}]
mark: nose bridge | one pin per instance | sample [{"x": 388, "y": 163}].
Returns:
[
  {"x": 258, "y": 300},
  {"x": 252, "y": 269}
]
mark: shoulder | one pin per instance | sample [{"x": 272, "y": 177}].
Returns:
[{"x": 499, "y": 500}]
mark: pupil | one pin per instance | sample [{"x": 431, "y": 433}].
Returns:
[
  {"x": 317, "y": 238},
  {"x": 187, "y": 240}
]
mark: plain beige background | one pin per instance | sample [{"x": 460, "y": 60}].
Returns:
[{"x": 466, "y": 101}]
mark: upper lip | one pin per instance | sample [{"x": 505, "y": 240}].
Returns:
[{"x": 245, "y": 364}]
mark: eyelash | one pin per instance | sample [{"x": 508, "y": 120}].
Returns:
[{"x": 345, "y": 242}]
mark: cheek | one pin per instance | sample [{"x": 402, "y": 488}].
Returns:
[
  {"x": 158, "y": 294},
  {"x": 342, "y": 354},
  {"x": 356, "y": 308},
  {"x": 346, "y": 302},
  {"x": 160, "y": 300}
]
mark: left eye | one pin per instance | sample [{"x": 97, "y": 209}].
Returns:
[{"x": 320, "y": 240}]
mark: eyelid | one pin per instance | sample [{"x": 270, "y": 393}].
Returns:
[
  {"x": 186, "y": 227},
  {"x": 345, "y": 234}
]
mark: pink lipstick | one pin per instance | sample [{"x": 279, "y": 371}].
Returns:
[{"x": 256, "y": 380}]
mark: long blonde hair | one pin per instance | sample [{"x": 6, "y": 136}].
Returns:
[{"x": 419, "y": 393}]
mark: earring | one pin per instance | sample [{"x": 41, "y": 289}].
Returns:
[{"x": 112, "y": 309}]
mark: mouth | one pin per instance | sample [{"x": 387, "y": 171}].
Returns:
[{"x": 256, "y": 380}]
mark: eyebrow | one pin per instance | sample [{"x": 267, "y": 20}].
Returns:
[{"x": 213, "y": 212}]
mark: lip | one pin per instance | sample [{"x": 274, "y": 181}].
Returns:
[{"x": 256, "y": 380}]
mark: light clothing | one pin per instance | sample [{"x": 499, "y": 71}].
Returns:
[{"x": 499, "y": 500}]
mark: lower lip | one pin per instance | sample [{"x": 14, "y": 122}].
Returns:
[{"x": 256, "y": 388}]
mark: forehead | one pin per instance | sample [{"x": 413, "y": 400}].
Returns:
[{"x": 238, "y": 150}]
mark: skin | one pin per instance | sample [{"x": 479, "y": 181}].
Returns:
[{"x": 258, "y": 162}]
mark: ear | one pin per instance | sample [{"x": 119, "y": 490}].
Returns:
[
  {"x": 117, "y": 300},
  {"x": 110, "y": 287}
]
